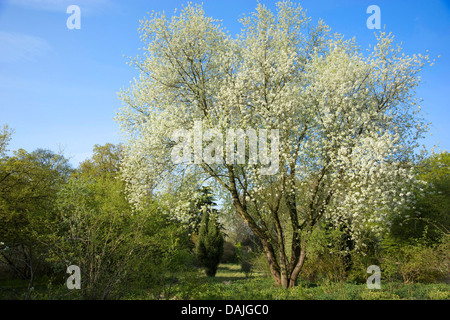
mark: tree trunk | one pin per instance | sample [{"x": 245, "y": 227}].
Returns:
[
  {"x": 287, "y": 276},
  {"x": 273, "y": 265},
  {"x": 284, "y": 272},
  {"x": 296, "y": 272}
]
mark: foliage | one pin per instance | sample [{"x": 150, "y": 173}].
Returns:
[
  {"x": 245, "y": 257},
  {"x": 233, "y": 285},
  {"x": 328, "y": 255},
  {"x": 28, "y": 215},
  {"x": 430, "y": 215},
  {"x": 5, "y": 136},
  {"x": 229, "y": 253},
  {"x": 416, "y": 262},
  {"x": 105, "y": 162},
  {"x": 259, "y": 264},
  {"x": 111, "y": 243},
  {"x": 209, "y": 247},
  {"x": 96, "y": 235},
  {"x": 163, "y": 258},
  {"x": 416, "y": 247}
]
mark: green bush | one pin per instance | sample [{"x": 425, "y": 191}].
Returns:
[
  {"x": 438, "y": 294},
  {"x": 327, "y": 256},
  {"x": 260, "y": 265},
  {"x": 209, "y": 248},
  {"x": 415, "y": 262}
]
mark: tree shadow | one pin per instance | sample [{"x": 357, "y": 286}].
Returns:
[{"x": 235, "y": 274}]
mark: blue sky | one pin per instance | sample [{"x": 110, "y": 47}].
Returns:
[{"x": 58, "y": 87}]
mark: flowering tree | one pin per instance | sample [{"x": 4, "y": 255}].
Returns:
[{"x": 347, "y": 123}]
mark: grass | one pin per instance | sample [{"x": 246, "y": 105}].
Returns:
[
  {"x": 230, "y": 283},
  {"x": 16, "y": 289}
]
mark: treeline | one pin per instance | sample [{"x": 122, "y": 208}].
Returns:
[{"x": 53, "y": 215}]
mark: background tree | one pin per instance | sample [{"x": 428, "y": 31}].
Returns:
[
  {"x": 97, "y": 234},
  {"x": 416, "y": 247},
  {"x": 198, "y": 203},
  {"x": 97, "y": 230},
  {"x": 5, "y": 136},
  {"x": 209, "y": 248},
  {"x": 29, "y": 185},
  {"x": 114, "y": 245},
  {"x": 348, "y": 124},
  {"x": 105, "y": 161},
  {"x": 430, "y": 215}
]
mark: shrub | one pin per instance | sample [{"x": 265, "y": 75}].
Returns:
[
  {"x": 328, "y": 256},
  {"x": 437, "y": 294},
  {"x": 209, "y": 248},
  {"x": 260, "y": 265},
  {"x": 415, "y": 262}
]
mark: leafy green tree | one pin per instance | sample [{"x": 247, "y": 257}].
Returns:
[
  {"x": 5, "y": 137},
  {"x": 98, "y": 234},
  {"x": 97, "y": 229},
  {"x": 29, "y": 186},
  {"x": 105, "y": 161},
  {"x": 113, "y": 244},
  {"x": 209, "y": 248},
  {"x": 429, "y": 218},
  {"x": 164, "y": 255},
  {"x": 416, "y": 246},
  {"x": 209, "y": 244},
  {"x": 203, "y": 203}
]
